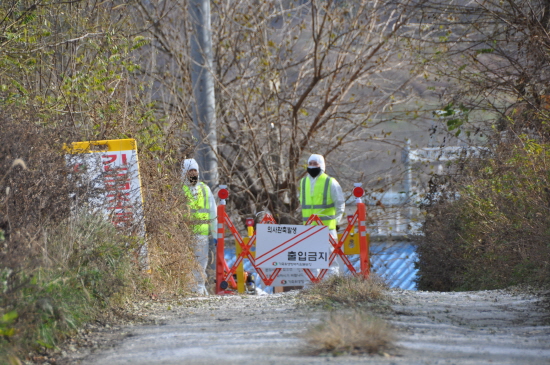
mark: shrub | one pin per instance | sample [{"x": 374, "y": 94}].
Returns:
[
  {"x": 496, "y": 234},
  {"x": 53, "y": 276},
  {"x": 60, "y": 270}
]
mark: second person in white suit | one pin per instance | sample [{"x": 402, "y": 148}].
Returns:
[{"x": 322, "y": 195}]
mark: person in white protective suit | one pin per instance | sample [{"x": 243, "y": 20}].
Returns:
[
  {"x": 202, "y": 205},
  {"x": 322, "y": 195}
]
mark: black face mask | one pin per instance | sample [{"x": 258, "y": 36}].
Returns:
[
  {"x": 193, "y": 179},
  {"x": 314, "y": 171}
]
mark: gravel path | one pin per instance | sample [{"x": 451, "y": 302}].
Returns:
[{"x": 489, "y": 327}]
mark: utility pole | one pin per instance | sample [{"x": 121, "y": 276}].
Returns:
[
  {"x": 408, "y": 180},
  {"x": 204, "y": 110},
  {"x": 204, "y": 113},
  {"x": 408, "y": 173}
]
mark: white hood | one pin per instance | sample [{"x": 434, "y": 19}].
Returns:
[
  {"x": 320, "y": 160},
  {"x": 188, "y": 164}
]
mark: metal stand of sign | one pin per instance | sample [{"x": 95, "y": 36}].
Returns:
[{"x": 224, "y": 275}]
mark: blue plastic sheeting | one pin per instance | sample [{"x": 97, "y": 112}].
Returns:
[{"x": 393, "y": 261}]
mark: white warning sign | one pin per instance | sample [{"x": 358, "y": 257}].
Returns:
[
  {"x": 292, "y": 246},
  {"x": 288, "y": 277},
  {"x": 114, "y": 173}
]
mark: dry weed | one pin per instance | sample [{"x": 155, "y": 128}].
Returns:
[
  {"x": 34, "y": 190},
  {"x": 355, "y": 333},
  {"x": 168, "y": 229},
  {"x": 351, "y": 290}
]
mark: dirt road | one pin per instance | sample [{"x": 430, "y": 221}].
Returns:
[{"x": 489, "y": 327}]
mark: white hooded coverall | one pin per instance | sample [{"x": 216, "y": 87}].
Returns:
[{"x": 201, "y": 241}]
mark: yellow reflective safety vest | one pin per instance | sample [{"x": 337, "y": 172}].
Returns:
[
  {"x": 321, "y": 202},
  {"x": 200, "y": 207}
]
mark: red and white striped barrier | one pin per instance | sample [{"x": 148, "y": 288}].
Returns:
[{"x": 224, "y": 274}]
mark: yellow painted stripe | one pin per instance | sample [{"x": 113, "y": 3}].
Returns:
[{"x": 101, "y": 146}]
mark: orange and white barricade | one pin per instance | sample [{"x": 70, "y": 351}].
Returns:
[{"x": 224, "y": 274}]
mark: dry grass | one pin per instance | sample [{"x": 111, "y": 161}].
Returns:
[
  {"x": 350, "y": 290},
  {"x": 355, "y": 333},
  {"x": 168, "y": 225}
]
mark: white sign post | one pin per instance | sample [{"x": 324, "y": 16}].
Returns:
[{"x": 292, "y": 246}]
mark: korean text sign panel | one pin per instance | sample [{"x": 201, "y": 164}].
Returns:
[
  {"x": 286, "y": 246},
  {"x": 115, "y": 175}
]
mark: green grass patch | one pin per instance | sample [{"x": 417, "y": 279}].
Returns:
[{"x": 85, "y": 267}]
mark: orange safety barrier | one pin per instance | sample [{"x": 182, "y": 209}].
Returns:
[{"x": 224, "y": 275}]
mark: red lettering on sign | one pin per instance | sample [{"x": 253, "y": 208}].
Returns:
[{"x": 112, "y": 158}]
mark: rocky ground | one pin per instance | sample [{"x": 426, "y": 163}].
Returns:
[{"x": 488, "y": 327}]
